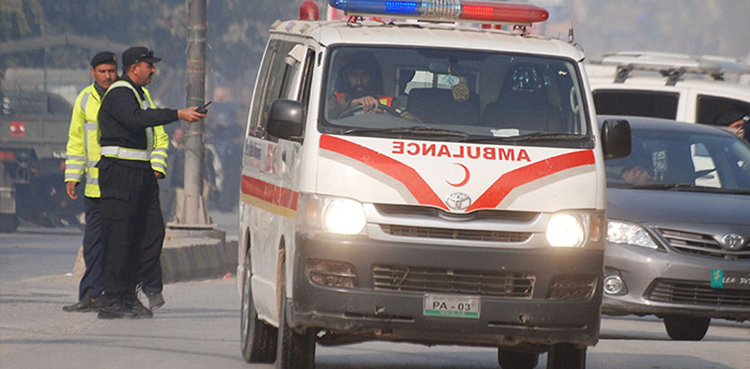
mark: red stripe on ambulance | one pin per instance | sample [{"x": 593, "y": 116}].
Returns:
[
  {"x": 508, "y": 181},
  {"x": 272, "y": 194},
  {"x": 393, "y": 168}
]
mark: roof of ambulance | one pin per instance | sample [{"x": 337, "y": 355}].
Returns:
[{"x": 424, "y": 34}]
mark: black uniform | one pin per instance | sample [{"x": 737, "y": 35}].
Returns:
[{"x": 132, "y": 223}]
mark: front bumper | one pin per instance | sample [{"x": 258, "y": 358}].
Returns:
[
  {"x": 668, "y": 282},
  {"x": 371, "y": 310}
]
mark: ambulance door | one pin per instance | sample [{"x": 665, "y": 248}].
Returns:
[{"x": 269, "y": 199}]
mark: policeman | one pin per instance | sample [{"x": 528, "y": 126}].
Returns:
[
  {"x": 82, "y": 156},
  {"x": 132, "y": 223}
]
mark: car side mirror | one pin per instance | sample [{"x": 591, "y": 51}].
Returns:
[
  {"x": 617, "y": 141},
  {"x": 285, "y": 119}
]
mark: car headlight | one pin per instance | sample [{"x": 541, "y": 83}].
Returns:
[
  {"x": 565, "y": 230},
  {"x": 629, "y": 233},
  {"x": 331, "y": 215},
  {"x": 343, "y": 216}
]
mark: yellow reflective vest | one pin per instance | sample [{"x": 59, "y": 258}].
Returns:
[{"x": 83, "y": 150}]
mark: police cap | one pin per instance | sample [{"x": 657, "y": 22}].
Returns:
[
  {"x": 138, "y": 54},
  {"x": 104, "y": 57}
]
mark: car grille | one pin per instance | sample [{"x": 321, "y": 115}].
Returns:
[
  {"x": 451, "y": 281},
  {"x": 700, "y": 244},
  {"x": 696, "y": 293},
  {"x": 454, "y": 234}
]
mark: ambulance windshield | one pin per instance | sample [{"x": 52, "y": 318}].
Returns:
[{"x": 448, "y": 93}]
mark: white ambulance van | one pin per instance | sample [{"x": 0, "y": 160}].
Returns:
[{"x": 419, "y": 178}]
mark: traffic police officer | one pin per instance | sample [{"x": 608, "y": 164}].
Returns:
[
  {"x": 82, "y": 156},
  {"x": 132, "y": 223}
]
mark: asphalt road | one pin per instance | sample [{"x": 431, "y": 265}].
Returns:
[{"x": 199, "y": 328}]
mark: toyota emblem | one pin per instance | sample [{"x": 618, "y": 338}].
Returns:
[
  {"x": 732, "y": 241},
  {"x": 458, "y": 201}
]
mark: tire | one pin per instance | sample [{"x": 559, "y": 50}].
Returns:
[
  {"x": 685, "y": 328},
  {"x": 510, "y": 359},
  {"x": 295, "y": 350},
  {"x": 257, "y": 338},
  {"x": 566, "y": 356}
]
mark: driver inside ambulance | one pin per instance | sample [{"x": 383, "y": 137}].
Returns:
[{"x": 360, "y": 83}]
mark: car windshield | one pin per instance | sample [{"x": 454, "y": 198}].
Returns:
[
  {"x": 449, "y": 94},
  {"x": 676, "y": 160}
]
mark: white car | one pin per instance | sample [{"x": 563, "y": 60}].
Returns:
[{"x": 695, "y": 89}]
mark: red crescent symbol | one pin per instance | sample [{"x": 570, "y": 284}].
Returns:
[{"x": 466, "y": 176}]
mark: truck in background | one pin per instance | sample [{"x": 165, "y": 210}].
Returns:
[{"x": 36, "y": 108}]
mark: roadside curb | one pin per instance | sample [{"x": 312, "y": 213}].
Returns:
[{"x": 189, "y": 259}]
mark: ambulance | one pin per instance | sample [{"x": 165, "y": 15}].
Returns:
[{"x": 426, "y": 172}]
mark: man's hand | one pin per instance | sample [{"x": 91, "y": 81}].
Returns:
[
  {"x": 369, "y": 104},
  {"x": 159, "y": 175},
  {"x": 190, "y": 114},
  {"x": 70, "y": 189}
]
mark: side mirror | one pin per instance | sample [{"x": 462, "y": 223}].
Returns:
[
  {"x": 285, "y": 119},
  {"x": 616, "y": 139}
]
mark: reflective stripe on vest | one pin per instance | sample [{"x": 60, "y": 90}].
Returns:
[{"x": 126, "y": 153}]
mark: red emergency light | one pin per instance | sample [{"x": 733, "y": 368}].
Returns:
[
  {"x": 308, "y": 10},
  {"x": 445, "y": 10}
]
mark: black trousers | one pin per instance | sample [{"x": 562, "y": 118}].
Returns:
[{"x": 132, "y": 227}]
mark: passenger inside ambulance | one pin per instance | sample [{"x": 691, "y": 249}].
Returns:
[{"x": 523, "y": 103}]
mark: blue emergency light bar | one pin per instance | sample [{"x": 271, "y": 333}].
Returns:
[{"x": 445, "y": 10}]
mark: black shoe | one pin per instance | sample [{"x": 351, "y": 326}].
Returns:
[
  {"x": 115, "y": 310},
  {"x": 139, "y": 311},
  {"x": 155, "y": 301},
  {"x": 87, "y": 304}
]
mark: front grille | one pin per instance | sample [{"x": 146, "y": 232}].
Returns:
[
  {"x": 572, "y": 287},
  {"x": 701, "y": 245},
  {"x": 697, "y": 293},
  {"x": 454, "y": 234},
  {"x": 452, "y": 281},
  {"x": 430, "y": 212}
]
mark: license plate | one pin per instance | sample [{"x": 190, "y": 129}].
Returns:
[
  {"x": 452, "y": 306},
  {"x": 726, "y": 279}
]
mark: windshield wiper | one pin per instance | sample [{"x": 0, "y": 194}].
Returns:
[
  {"x": 531, "y": 137},
  {"x": 416, "y": 131},
  {"x": 689, "y": 187}
]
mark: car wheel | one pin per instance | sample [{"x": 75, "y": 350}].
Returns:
[
  {"x": 566, "y": 356},
  {"x": 510, "y": 359},
  {"x": 685, "y": 328},
  {"x": 257, "y": 338},
  {"x": 295, "y": 350}
]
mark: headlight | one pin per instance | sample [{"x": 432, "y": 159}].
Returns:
[
  {"x": 330, "y": 215},
  {"x": 343, "y": 216},
  {"x": 629, "y": 233},
  {"x": 565, "y": 230}
]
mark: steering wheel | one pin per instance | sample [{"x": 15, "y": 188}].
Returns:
[{"x": 357, "y": 108}]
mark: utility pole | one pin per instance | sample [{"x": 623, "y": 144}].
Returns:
[
  {"x": 195, "y": 208},
  {"x": 193, "y": 234}
]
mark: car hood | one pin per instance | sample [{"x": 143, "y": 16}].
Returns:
[{"x": 663, "y": 207}]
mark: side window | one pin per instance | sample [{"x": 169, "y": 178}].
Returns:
[
  {"x": 304, "y": 93},
  {"x": 275, "y": 80},
  {"x": 720, "y": 111},
  {"x": 704, "y": 165},
  {"x": 636, "y": 103},
  {"x": 256, "y": 122}
]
